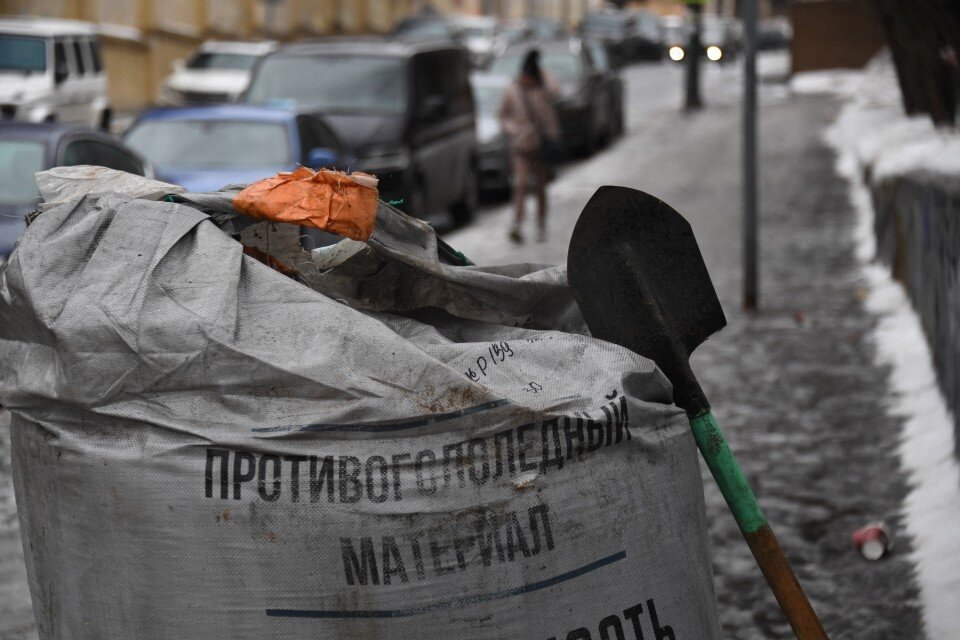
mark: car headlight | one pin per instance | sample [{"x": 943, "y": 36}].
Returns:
[
  {"x": 714, "y": 52},
  {"x": 676, "y": 53},
  {"x": 385, "y": 158}
]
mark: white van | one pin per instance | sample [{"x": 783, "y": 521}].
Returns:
[
  {"x": 217, "y": 72},
  {"x": 51, "y": 71}
]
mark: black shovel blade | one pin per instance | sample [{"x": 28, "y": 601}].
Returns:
[{"x": 637, "y": 273}]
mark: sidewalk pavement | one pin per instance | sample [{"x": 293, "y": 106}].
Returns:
[{"x": 796, "y": 386}]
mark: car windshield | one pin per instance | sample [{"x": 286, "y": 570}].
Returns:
[
  {"x": 212, "y": 144},
  {"x": 430, "y": 28},
  {"x": 19, "y": 160},
  {"x": 18, "y": 53},
  {"x": 478, "y": 30},
  {"x": 333, "y": 84},
  {"x": 713, "y": 31},
  {"x": 232, "y": 61},
  {"x": 488, "y": 97},
  {"x": 603, "y": 23},
  {"x": 562, "y": 66}
]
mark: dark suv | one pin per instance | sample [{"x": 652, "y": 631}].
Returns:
[{"x": 405, "y": 110}]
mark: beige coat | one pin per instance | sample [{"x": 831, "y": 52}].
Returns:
[{"x": 518, "y": 120}]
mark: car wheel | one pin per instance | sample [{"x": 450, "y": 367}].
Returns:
[{"x": 464, "y": 208}]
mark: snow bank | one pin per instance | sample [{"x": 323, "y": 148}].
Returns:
[
  {"x": 871, "y": 131},
  {"x": 873, "y": 128}
]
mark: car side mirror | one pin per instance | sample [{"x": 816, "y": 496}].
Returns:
[
  {"x": 321, "y": 157},
  {"x": 432, "y": 108}
]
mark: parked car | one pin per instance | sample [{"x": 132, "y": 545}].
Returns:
[
  {"x": 404, "y": 109},
  {"x": 427, "y": 25},
  {"x": 26, "y": 148},
  {"x": 611, "y": 84},
  {"x": 616, "y": 29},
  {"x": 721, "y": 38},
  {"x": 587, "y": 120},
  {"x": 676, "y": 36},
  {"x": 515, "y": 31},
  {"x": 648, "y": 35},
  {"x": 774, "y": 33},
  {"x": 480, "y": 35},
  {"x": 51, "y": 71},
  {"x": 206, "y": 148},
  {"x": 217, "y": 72},
  {"x": 493, "y": 155}
]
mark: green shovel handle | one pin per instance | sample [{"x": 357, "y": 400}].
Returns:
[
  {"x": 727, "y": 472},
  {"x": 753, "y": 524}
]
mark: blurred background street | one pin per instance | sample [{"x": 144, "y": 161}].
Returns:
[{"x": 204, "y": 94}]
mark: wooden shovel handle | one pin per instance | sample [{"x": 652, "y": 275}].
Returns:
[
  {"x": 786, "y": 589},
  {"x": 757, "y": 532}
]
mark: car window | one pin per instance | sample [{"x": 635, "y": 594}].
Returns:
[
  {"x": 24, "y": 54},
  {"x": 347, "y": 84},
  {"x": 429, "y": 78},
  {"x": 599, "y": 57},
  {"x": 60, "y": 66},
  {"x": 95, "y": 54},
  {"x": 445, "y": 74},
  {"x": 218, "y": 145},
  {"x": 457, "y": 78},
  {"x": 314, "y": 133},
  {"x": 101, "y": 154},
  {"x": 211, "y": 60},
  {"x": 563, "y": 66},
  {"x": 430, "y": 28},
  {"x": 79, "y": 58},
  {"x": 19, "y": 160}
]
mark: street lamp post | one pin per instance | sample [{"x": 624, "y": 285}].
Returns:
[
  {"x": 694, "y": 101},
  {"x": 750, "y": 275}
]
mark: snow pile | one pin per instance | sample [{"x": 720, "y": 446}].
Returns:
[
  {"x": 839, "y": 81},
  {"x": 932, "y": 509},
  {"x": 871, "y": 130}
]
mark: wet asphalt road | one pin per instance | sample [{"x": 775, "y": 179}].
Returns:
[{"x": 795, "y": 385}]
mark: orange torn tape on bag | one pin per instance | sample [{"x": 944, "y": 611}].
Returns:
[{"x": 345, "y": 204}]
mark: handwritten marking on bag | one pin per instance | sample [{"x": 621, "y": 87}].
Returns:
[
  {"x": 611, "y": 628},
  {"x": 454, "y": 603},
  {"x": 501, "y": 539},
  {"x": 498, "y": 352},
  {"x": 378, "y": 478}
]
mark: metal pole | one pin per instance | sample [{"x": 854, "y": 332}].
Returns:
[
  {"x": 694, "y": 47},
  {"x": 750, "y": 284}
]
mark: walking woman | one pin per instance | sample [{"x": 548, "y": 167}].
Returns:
[{"x": 532, "y": 128}]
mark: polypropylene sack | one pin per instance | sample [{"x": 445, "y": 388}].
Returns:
[{"x": 205, "y": 448}]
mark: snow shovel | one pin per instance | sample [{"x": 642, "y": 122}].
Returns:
[{"x": 638, "y": 276}]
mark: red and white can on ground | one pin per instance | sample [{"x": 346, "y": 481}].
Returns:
[{"x": 873, "y": 541}]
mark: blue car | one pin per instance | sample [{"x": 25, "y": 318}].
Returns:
[
  {"x": 207, "y": 148},
  {"x": 26, "y": 148}
]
